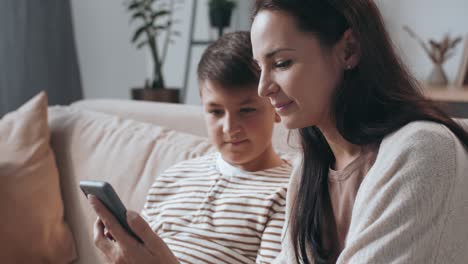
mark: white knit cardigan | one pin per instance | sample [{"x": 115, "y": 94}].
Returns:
[{"x": 412, "y": 206}]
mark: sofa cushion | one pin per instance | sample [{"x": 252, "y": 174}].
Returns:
[
  {"x": 179, "y": 117},
  {"x": 126, "y": 153},
  {"x": 32, "y": 227}
]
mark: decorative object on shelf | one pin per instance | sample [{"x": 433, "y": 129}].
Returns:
[
  {"x": 462, "y": 76},
  {"x": 438, "y": 52},
  {"x": 156, "y": 18},
  {"x": 220, "y": 12}
]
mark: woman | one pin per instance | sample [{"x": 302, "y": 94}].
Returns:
[
  {"x": 383, "y": 176},
  {"x": 377, "y": 184}
]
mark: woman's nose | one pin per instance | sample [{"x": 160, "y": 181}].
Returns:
[{"x": 266, "y": 87}]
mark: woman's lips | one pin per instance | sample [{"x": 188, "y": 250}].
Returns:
[{"x": 282, "y": 106}]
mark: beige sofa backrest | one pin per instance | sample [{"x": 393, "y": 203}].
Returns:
[
  {"x": 184, "y": 118},
  {"x": 127, "y": 153},
  {"x": 179, "y": 117}
]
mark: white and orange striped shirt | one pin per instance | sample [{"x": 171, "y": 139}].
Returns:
[{"x": 208, "y": 211}]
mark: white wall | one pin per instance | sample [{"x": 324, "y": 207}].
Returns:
[
  {"x": 110, "y": 65},
  {"x": 430, "y": 19}
]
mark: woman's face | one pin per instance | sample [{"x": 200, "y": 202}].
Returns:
[{"x": 298, "y": 75}]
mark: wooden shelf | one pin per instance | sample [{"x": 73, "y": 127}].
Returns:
[{"x": 447, "y": 93}]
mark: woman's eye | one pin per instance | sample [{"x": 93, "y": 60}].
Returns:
[
  {"x": 248, "y": 110},
  {"x": 283, "y": 64}
]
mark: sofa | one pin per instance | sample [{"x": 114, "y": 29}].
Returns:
[{"x": 128, "y": 144}]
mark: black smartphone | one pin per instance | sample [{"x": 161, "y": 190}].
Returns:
[{"x": 106, "y": 194}]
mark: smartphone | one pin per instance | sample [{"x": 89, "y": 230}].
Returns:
[{"x": 106, "y": 194}]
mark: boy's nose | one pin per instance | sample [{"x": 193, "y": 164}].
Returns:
[{"x": 230, "y": 125}]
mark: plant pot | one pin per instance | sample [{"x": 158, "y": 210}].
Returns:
[
  {"x": 220, "y": 17},
  {"x": 159, "y": 95},
  {"x": 437, "y": 76}
]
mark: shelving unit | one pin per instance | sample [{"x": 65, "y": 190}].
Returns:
[
  {"x": 191, "y": 43},
  {"x": 454, "y": 100},
  {"x": 447, "y": 93}
]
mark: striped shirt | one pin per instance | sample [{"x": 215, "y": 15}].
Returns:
[{"x": 208, "y": 211}]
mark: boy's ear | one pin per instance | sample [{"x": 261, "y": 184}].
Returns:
[{"x": 277, "y": 118}]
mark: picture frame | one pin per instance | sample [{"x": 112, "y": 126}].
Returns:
[{"x": 462, "y": 76}]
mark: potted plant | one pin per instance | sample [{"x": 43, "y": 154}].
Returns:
[
  {"x": 439, "y": 53},
  {"x": 220, "y": 12},
  {"x": 150, "y": 14}
]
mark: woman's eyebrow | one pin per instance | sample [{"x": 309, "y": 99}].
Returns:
[
  {"x": 277, "y": 50},
  {"x": 274, "y": 52}
]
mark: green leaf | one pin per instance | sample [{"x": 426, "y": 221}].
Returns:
[
  {"x": 157, "y": 28},
  {"x": 160, "y": 13},
  {"x": 138, "y": 15},
  {"x": 138, "y": 33},
  {"x": 133, "y": 6},
  {"x": 141, "y": 44}
]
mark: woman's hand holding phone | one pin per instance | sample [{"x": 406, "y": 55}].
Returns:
[{"x": 125, "y": 248}]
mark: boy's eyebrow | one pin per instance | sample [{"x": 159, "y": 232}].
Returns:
[
  {"x": 213, "y": 104},
  {"x": 247, "y": 101}
]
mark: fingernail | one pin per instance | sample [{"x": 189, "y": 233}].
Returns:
[
  {"x": 89, "y": 196},
  {"x": 131, "y": 215}
]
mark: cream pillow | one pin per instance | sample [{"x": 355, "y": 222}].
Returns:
[
  {"x": 32, "y": 228},
  {"x": 127, "y": 153}
]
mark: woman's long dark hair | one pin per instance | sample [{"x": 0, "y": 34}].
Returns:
[{"x": 375, "y": 98}]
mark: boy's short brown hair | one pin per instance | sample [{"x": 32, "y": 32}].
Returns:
[{"x": 229, "y": 61}]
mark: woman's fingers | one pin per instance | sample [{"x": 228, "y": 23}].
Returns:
[
  {"x": 151, "y": 241},
  {"x": 141, "y": 228},
  {"x": 99, "y": 238},
  {"x": 112, "y": 225}
]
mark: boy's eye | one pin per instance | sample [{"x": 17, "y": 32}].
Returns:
[
  {"x": 258, "y": 67},
  {"x": 283, "y": 64},
  {"x": 215, "y": 112},
  {"x": 248, "y": 110}
]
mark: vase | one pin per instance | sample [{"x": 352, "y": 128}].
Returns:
[{"x": 437, "y": 76}]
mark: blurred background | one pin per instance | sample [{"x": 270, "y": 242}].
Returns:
[{"x": 82, "y": 49}]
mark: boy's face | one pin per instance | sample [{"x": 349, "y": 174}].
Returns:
[{"x": 240, "y": 123}]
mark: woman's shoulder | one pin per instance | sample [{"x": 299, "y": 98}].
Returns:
[
  {"x": 422, "y": 136},
  {"x": 421, "y": 149}
]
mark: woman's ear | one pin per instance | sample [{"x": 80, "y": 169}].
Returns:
[
  {"x": 350, "y": 50},
  {"x": 277, "y": 118}
]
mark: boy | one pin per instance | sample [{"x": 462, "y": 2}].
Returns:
[{"x": 226, "y": 207}]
